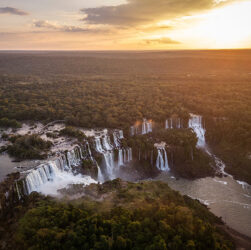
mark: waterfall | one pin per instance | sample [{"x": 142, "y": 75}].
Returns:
[
  {"x": 100, "y": 175},
  {"x": 162, "y": 160},
  {"x": 129, "y": 154},
  {"x": 58, "y": 173},
  {"x": 121, "y": 135},
  {"x": 107, "y": 151},
  {"x": 166, "y": 166},
  {"x": 89, "y": 151},
  {"x": 115, "y": 139},
  {"x": 124, "y": 156},
  {"x": 120, "y": 158},
  {"x": 169, "y": 123},
  {"x": 146, "y": 127},
  {"x": 106, "y": 143},
  {"x": 117, "y": 135},
  {"x": 167, "y": 126},
  {"x": 109, "y": 161},
  {"x": 195, "y": 123}
]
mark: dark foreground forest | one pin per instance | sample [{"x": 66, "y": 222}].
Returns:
[
  {"x": 115, "y": 215},
  {"x": 115, "y": 89}
]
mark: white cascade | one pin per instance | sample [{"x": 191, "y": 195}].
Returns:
[
  {"x": 98, "y": 145},
  {"x": 146, "y": 127},
  {"x": 195, "y": 123},
  {"x": 89, "y": 151},
  {"x": 109, "y": 161},
  {"x": 149, "y": 127},
  {"x": 117, "y": 136},
  {"x": 106, "y": 143},
  {"x": 129, "y": 154},
  {"x": 167, "y": 125},
  {"x": 115, "y": 139},
  {"x": 124, "y": 156},
  {"x": 55, "y": 174},
  {"x": 121, "y": 135},
  {"x": 120, "y": 158},
  {"x": 162, "y": 160},
  {"x": 100, "y": 175}
]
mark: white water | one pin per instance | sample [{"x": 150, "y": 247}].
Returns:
[
  {"x": 169, "y": 123},
  {"x": 117, "y": 135},
  {"x": 62, "y": 180},
  {"x": 53, "y": 175},
  {"x": 104, "y": 146},
  {"x": 124, "y": 156},
  {"x": 162, "y": 160},
  {"x": 106, "y": 143},
  {"x": 120, "y": 158},
  {"x": 109, "y": 162},
  {"x": 100, "y": 175},
  {"x": 195, "y": 123},
  {"x": 146, "y": 127}
]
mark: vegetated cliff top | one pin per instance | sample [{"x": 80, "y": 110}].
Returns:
[{"x": 115, "y": 215}]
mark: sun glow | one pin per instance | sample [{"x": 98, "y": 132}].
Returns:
[{"x": 227, "y": 27}]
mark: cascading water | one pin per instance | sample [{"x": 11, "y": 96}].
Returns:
[
  {"x": 48, "y": 177},
  {"x": 124, "y": 156},
  {"x": 195, "y": 123},
  {"x": 107, "y": 151},
  {"x": 173, "y": 123},
  {"x": 146, "y": 127},
  {"x": 117, "y": 136},
  {"x": 106, "y": 143},
  {"x": 100, "y": 175},
  {"x": 162, "y": 160},
  {"x": 120, "y": 158},
  {"x": 98, "y": 145},
  {"x": 109, "y": 161}
]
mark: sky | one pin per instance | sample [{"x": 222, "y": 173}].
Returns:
[{"x": 124, "y": 24}]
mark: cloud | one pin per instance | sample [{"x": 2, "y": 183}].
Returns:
[
  {"x": 63, "y": 28},
  {"x": 162, "y": 40},
  {"x": 13, "y": 11},
  {"x": 146, "y": 11}
]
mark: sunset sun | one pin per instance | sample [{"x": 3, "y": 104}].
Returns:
[{"x": 226, "y": 27}]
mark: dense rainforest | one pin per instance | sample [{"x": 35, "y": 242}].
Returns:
[
  {"x": 116, "y": 89},
  {"x": 115, "y": 215}
]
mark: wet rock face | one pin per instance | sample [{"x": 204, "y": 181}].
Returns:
[{"x": 8, "y": 193}]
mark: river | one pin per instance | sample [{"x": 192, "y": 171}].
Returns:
[{"x": 225, "y": 197}]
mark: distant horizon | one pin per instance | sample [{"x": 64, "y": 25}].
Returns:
[
  {"x": 117, "y": 50},
  {"x": 109, "y": 25}
]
